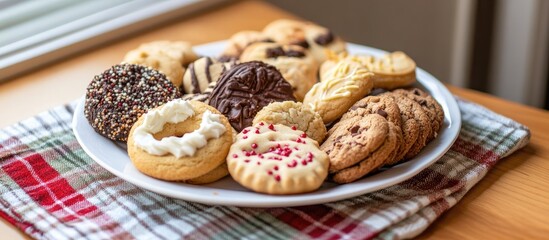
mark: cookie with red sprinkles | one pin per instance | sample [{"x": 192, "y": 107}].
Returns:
[
  {"x": 116, "y": 98},
  {"x": 277, "y": 159}
]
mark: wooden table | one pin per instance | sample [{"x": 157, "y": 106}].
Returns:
[{"x": 512, "y": 201}]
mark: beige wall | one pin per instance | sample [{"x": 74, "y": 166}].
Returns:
[{"x": 422, "y": 28}]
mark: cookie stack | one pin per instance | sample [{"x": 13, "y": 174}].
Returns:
[
  {"x": 280, "y": 111},
  {"x": 381, "y": 130}
]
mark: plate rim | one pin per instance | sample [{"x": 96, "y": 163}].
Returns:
[{"x": 452, "y": 114}]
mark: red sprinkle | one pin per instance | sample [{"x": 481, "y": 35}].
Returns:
[
  {"x": 304, "y": 135},
  {"x": 270, "y": 172},
  {"x": 258, "y": 163},
  {"x": 244, "y": 137},
  {"x": 254, "y": 145},
  {"x": 304, "y": 162},
  {"x": 235, "y": 156},
  {"x": 275, "y": 168},
  {"x": 247, "y": 154},
  {"x": 292, "y": 164},
  {"x": 294, "y": 128},
  {"x": 277, "y": 178},
  {"x": 272, "y": 127},
  {"x": 247, "y": 160},
  {"x": 298, "y": 140},
  {"x": 257, "y": 131},
  {"x": 245, "y": 131},
  {"x": 261, "y": 124}
]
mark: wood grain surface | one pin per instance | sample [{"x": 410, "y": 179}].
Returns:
[{"x": 510, "y": 202}]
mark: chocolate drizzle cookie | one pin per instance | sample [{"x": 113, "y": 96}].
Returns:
[
  {"x": 296, "y": 64},
  {"x": 242, "y": 91},
  {"x": 116, "y": 98},
  {"x": 202, "y": 72}
]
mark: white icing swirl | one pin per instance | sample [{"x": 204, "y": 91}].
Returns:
[{"x": 174, "y": 112}]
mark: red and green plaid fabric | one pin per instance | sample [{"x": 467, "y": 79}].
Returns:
[{"x": 50, "y": 189}]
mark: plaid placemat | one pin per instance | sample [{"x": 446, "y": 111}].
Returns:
[{"x": 51, "y": 189}]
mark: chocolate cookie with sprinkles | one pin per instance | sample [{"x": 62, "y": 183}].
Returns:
[{"x": 116, "y": 98}]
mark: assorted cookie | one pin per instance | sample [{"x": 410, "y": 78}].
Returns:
[
  {"x": 295, "y": 114},
  {"x": 202, "y": 72},
  {"x": 277, "y": 159},
  {"x": 392, "y": 70},
  {"x": 296, "y": 64},
  {"x": 338, "y": 90},
  {"x": 280, "y": 111},
  {"x": 181, "y": 141},
  {"x": 116, "y": 98},
  {"x": 170, "y": 58},
  {"x": 242, "y": 91}
]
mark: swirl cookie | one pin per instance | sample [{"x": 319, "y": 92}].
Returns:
[
  {"x": 116, "y": 98},
  {"x": 354, "y": 139},
  {"x": 240, "y": 40},
  {"x": 295, "y": 63},
  {"x": 155, "y": 148},
  {"x": 277, "y": 159},
  {"x": 242, "y": 91},
  {"x": 339, "y": 89},
  {"x": 202, "y": 72},
  {"x": 391, "y": 71},
  {"x": 293, "y": 114},
  {"x": 322, "y": 39}
]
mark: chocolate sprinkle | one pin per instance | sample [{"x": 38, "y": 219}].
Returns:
[{"x": 116, "y": 98}]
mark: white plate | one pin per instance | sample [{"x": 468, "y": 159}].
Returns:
[{"x": 114, "y": 158}]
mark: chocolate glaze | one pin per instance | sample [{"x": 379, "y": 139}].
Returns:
[
  {"x": 278, "y": 52},
  {"x": 303, "y": 43},
  {"x": 244, "y": 89},
  {"x": 325, "y": 39}
]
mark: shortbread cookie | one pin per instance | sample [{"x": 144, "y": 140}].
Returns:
[
  {"x": 111, "y": 105},
  {"x": 429, "y": 105},
  {"x": 179, "y": 141},
  {"x": 354, "y": 139},
  {"x": 217, "y": 173},
  {"x": 168, "y": 66},
  {"x": 339, "y": 89},
  {"x": 296, "y": 64},
  {"x": 373, "y": 161},
  {"x": 391, "y": 71},
  {"x": 201, "y": 97},
  {"x": 180, "y": 51},
  {"x": 275, "y": 159},
  {"x": 322, "y": 39},
  {"x": 240, "y": 40},
  {"x": 202, "y": 72},
  {"x": 242, "y": 91},
  {"x": 411, "y": 109},
  {"x": 293, "y": 114},
  {"x": 286, "y": 31}
]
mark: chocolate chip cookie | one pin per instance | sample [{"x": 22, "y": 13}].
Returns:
[
  {"x": 431, "y": 107},
  {"x": 355, "y": 139},
  {"x": 373, "y": 161}
]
